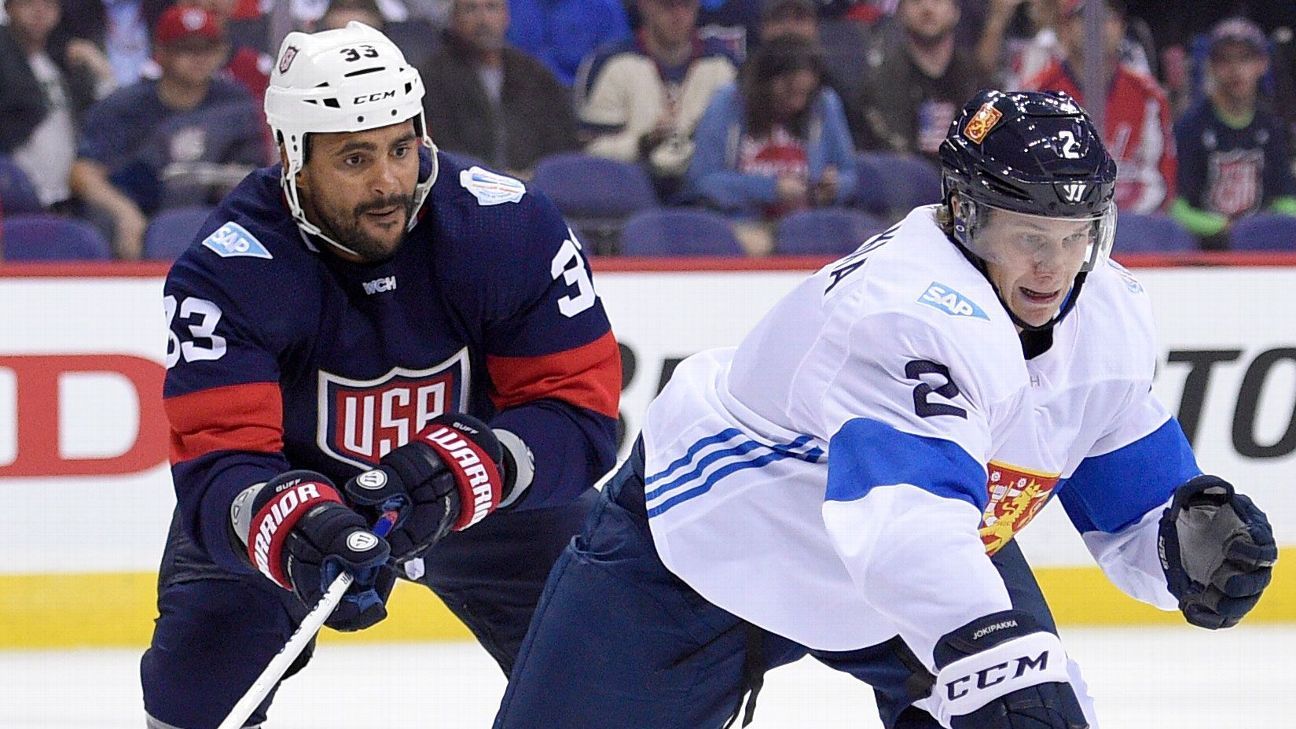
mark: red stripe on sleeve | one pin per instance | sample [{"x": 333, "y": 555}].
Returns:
[
  {"x": 238, "y": 417},
  {"x": 588, "y": 376}
]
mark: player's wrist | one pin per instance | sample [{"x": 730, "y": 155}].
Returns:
[
  {"x": 517, "y": 469},
  {"x": 991, "y": 657}
]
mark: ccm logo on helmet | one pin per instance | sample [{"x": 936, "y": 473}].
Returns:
[
  {"x": 996, "y": 674},
  {"x": 379, "y": 96}
]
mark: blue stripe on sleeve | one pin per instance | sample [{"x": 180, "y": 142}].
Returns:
[
  {"x": 743, "y": 455},
  {"x": 867, "y": 453},
  {"x": 1109, "y": 492},
  {"x": 722, "y": 436}
]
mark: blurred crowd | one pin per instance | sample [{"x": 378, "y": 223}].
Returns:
[{"x": 737, "y": 127}]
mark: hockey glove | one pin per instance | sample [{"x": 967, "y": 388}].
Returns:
[
  {"x": 447, "y": 478},
  {"x": 1217, "y": 550},
  {"x": 298, "y": 533},
  {"x": 1003, "y": 671}
]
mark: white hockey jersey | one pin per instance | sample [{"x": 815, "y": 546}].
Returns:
[{"x": 840, "y": 476}]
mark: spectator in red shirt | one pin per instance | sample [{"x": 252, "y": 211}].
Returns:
[{"x": 1137, "y": 124}]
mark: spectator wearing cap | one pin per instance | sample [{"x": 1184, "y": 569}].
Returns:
[
  {"x": 45, "y": 89},
  {"x": 491, "y": 101},
  {"x": 248, "y": 63},
  {"x": 561, "y": 33},
  {"x": 1137, "y": 128},
  {"x": 640, "y": 100},
  {"x": 917, "y": 81},
  {"x": 1233, "y": 149},
  {"x": 184, "y": 138}
]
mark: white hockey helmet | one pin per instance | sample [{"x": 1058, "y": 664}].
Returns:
[{"x": 345, "y": 80}]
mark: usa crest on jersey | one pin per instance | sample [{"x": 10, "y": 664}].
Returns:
[{"x": 360, "y": 421}]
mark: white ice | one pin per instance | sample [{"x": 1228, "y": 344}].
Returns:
[{"x": 1141, "y": 678}]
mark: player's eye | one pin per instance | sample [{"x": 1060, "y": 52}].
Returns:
[
  {"x": 354, "y": 160},
  {"x": 401, "y": 151},
  {"x": 1032, "y": 241}
]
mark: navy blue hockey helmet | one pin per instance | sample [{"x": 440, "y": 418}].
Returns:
[{"x": 1035, "y": 153}]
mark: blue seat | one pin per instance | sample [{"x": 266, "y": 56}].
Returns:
[
  {"x": 17, "y": 194},
  {"x": 171, "y": 231},
  {"x": 679, "y": 232},
  {"x": 832, "y": 231},
  {"x": 1264, "y": 232},
  {"x": 41, "y": 237},
  {"x": 595, "y": 194},
  {"x": 904, "y": 181},
  {"x": 1154, "y": 233},
  {"x": 585, "y": 186}
]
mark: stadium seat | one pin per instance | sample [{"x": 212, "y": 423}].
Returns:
[
  {"x": 679, "y": 232},
  {"x": 870, "y": 192},
  {"x": 17, "y": 194},
  {"x": 1137, "y": 233},
  {"x": 905, "y": 181},
  {"x": 1264, "y": 232},
  {"x": 172, "y": 231},
  {"x": 832, "y": 231},
  {"x": 586, "y": 186},
  {"x": 41, "y": 237},
  {"x": 595, "y": 193}
]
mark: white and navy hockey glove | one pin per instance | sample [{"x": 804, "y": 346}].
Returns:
[
  {"x": 449, "y": 477},
  {"x": 1003, "y": 671},
  {"x": 299, "y": 534},
  {"x": 1217, "y": 550}
]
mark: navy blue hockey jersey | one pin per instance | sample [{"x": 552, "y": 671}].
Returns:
[
  {"x": 283, "y": 356},
  {"x": 1231, "y": 171}
]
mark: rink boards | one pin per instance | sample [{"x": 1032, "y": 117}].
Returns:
[{"x": 88, "y": 494}]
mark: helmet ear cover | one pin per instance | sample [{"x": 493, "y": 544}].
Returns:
[{"x": 351, "y": 79}]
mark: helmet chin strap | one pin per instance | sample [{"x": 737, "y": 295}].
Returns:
[{"x": 307, "y": 228}]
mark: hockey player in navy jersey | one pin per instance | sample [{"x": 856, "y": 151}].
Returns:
[
  {"x": 846, "y": 482},
  {"x": 369, "y": 326}
]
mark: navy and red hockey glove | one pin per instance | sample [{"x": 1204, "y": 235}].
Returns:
[
  {"x": 449, "y": 477},
  {"x": 300, "y": 535},
  {"x": 1003, "y": 671},
  {"x": 1217, "y": 550}
]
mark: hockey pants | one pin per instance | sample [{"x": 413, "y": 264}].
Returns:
[
  {"x": 216, "y": 631},
  {"x": 619, "y": 642}
]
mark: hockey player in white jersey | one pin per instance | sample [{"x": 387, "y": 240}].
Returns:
[{"x": 847, "y": 482}]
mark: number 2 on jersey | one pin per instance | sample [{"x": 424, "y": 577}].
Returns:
[{"x": 923, "y": 391}]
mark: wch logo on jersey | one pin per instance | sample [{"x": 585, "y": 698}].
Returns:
[
  {"x": 941, "y": 297},
  {"x": 380, "y": 285},
  {"x": 360, "y": 421}
]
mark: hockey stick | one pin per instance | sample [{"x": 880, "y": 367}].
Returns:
[{"x": 310, "y": 625}]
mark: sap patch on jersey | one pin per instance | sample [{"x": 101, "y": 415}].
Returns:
[
  {"x": 490, "y": 188},
  {"x": 943, "y": 298},
  {"x": 232, "y": 240}
]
